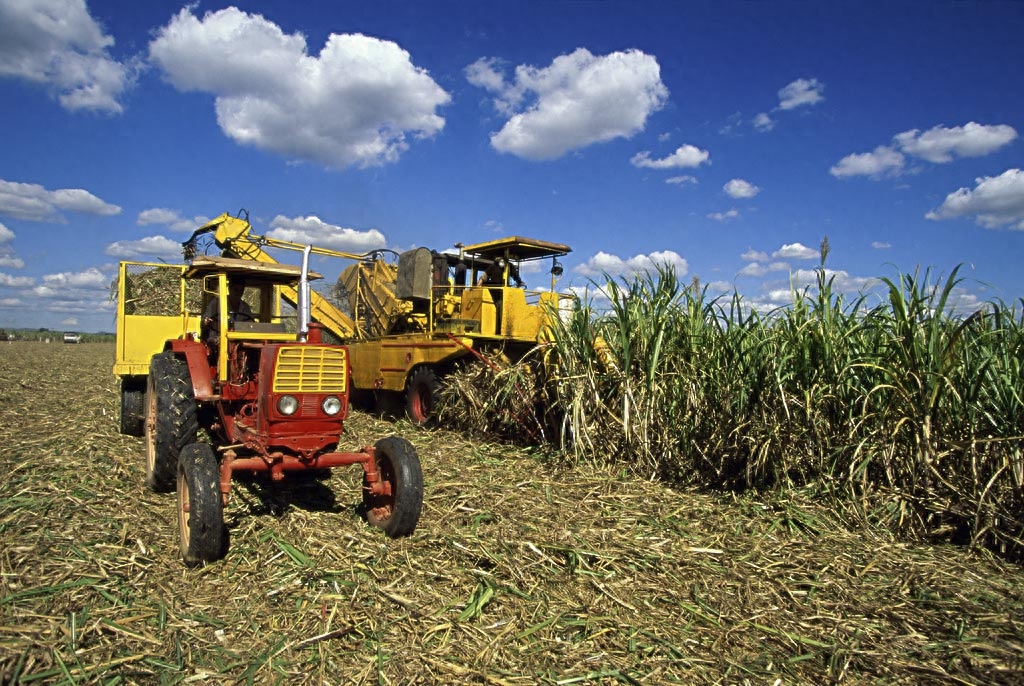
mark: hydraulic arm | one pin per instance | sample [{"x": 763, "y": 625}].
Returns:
[{"x": 233, "y": 235}]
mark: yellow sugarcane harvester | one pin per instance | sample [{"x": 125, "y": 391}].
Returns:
[{"x": 410, "y": 321}]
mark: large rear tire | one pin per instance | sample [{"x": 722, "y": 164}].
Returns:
[
  {"x": 133, "y": 406},
  {"x": 398, "y": 511},
  {"x": 422, "y": 394},
  {"x": 200, "y": 509},
  {"x": 171, "y": 419}
]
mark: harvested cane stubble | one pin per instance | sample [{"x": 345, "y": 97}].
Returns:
[{"x": 521, "y": 571}]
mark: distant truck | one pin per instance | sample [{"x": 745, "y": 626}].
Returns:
[{"x": 72, "y": 337}]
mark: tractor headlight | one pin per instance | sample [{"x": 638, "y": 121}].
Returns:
[
  {"x": 331, "y": 405},
  {"x": 287, "y": 405}
]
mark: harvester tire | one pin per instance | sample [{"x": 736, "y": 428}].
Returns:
[
  {"x": 200, "y": 508},
  {"x": 171, "y": 419},
  {"x": 399, "y": 467},
  {"x": 133, "y": 406},
  {"x": 422, "y": 393}
]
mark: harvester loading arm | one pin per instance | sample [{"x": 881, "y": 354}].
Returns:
[{"x": 233, "y": 235}]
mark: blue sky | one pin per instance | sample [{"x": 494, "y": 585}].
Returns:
[{"x": 724, "y": 137}]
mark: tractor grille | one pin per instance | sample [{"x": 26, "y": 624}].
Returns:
[{"x": 310, "y": 369}]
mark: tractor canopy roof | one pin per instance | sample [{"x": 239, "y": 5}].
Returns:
[
  {"x": 518, "y": 248},
  {"x": 248, "y": 270}
]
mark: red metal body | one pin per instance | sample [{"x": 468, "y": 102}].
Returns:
[{"x": 253, "y": 434}]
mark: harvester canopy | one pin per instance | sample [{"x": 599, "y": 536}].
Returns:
[{"x": 518, "y": 248}]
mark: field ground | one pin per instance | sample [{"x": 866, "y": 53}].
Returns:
[{"x": 520, "y": 572}]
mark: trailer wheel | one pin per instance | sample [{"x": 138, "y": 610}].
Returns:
[
  {"x": 171, "y": 419},
  {"x": 422, "y": 393},
  {"x": 133, "y": 406},
  {"x": 397, "y": 512},
  {"x": 200, "y": 509}
]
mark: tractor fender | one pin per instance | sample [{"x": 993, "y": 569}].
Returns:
[{"x": 197, "y": 358}]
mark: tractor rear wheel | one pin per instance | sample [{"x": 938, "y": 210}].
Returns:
[
  {"x": 171, "y": 418},
  {"x": 133, "y": 406},
  {"x": 398, "y": 510},
  {"x": 422, "y": 393},
  {"x": 200, "y": 509}
]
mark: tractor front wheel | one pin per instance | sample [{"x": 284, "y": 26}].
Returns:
[
  {"x": 200, "y": 509},
  {"x": 397, "y": 510},
  {"x": 171, "y": 418},
  {"x": 422, "y": 393}
]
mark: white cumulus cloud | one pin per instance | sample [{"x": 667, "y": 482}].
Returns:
[
  {"x": 356, "y": 103},
  {"x": 801, "y": 92},
  {"x": 740, "y": 189},
  {"x": 613, "y": 265},
  {"x": 90, "y": 278},
  {"x": 760, "y": 269},
  {"x": 7, "y": 256},
  {"x": 58, "y": 44},
  {"x": 995, "y": 201},
  {"x": 578, "y": 100},
  {"x": 842, "y": 280},
  {"x": 172, "y": 219},
  {"x": 762, "y": 122},
  {"x": 149, "y": 248},
  {"x": 312, "y": 230},
  {"x": 796, "y": 251},
  {"x": 882, "y": 161},
  {"x": 752, "y": 255},
  {"x": 724, "y": 216},
  {"x": 16, "y": 281},
  {"x": 939, "y": 144},
  {"x": 32, "y": 202},
  {"x": 685, "y": 156}
]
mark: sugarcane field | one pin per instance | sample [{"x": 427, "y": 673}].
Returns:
[{"x": 711, "y": 498}]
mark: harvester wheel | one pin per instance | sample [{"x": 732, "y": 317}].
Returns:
[
  {"x": 133, "y": 406},
  {"x": 171, "y": 419},
  {"x": 398, "y": 511},
  {"x": 422, "y": 393},
  {"x": 200, "y": 509}
]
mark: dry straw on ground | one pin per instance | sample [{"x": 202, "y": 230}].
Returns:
[{"x": 520, "y": 573}]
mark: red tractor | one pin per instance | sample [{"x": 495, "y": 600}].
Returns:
[{"x": 265, "y": 388}]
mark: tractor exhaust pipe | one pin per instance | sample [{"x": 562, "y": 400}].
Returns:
[{"x": 304, "y": 297}]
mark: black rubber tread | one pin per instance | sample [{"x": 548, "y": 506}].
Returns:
[
  {"x": 399, "y": 464},
  {"x": 422, "y": 394},
  {"x": 133, "y": 406},
  {"x": 174, "y": 423},
  {"x": 201, "y": 529}
]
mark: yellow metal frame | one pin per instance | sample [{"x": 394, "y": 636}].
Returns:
[{"x": 140, "y": 336}]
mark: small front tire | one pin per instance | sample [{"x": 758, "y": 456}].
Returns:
[
  {"x": 397, "y": 511},
  {"x": 200, "y": 509}
]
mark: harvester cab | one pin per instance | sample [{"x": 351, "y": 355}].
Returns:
[
  {"x": 241, "y": 306},
  {"x": 496, "y": 286}
]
